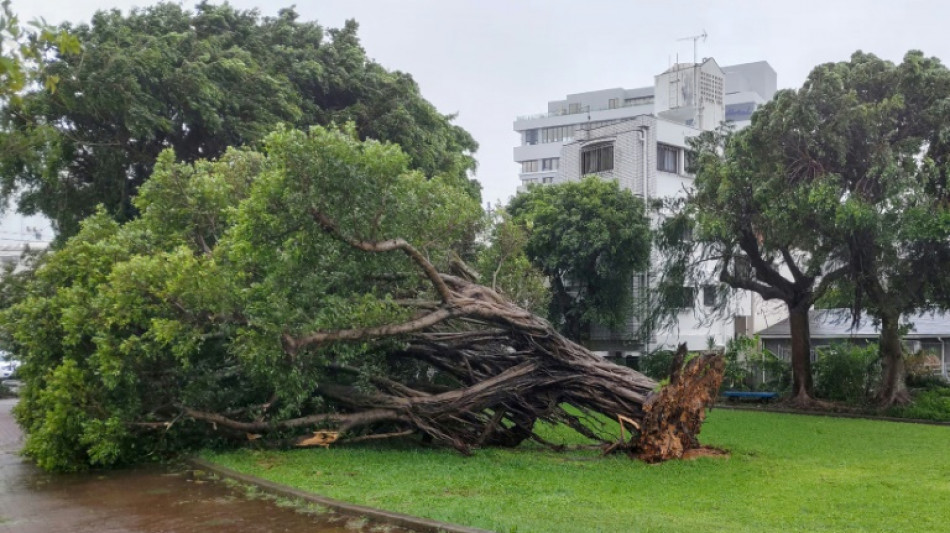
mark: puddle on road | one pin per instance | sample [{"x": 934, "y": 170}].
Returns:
[{"x": 151, "y": 500}]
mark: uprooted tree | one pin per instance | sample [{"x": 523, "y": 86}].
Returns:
[{"x": 307, "y": 295}]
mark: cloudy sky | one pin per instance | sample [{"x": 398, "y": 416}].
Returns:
[{"x": 492, "y": 60}]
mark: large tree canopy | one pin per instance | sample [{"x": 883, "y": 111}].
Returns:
[
  {"x": 876, "y": 133},
  {"x": 842, "y": 183},
  {"x": 589, "y": 238},
  {"x": 162, "y": 77},
  {"x": 303, "y": 295},
  {"x": 750, "y": 226}
]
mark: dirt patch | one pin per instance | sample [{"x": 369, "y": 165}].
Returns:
[{"x": 705, "y": 451}]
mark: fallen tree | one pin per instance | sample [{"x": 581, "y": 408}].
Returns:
[
  {"x": 283, "y": 299},
  {"x": 513, "y": 369}
]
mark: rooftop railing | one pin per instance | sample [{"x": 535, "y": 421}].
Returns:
[{"x": 587, "y": 109}]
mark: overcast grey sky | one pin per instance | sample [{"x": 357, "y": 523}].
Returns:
[{"x": 492, "y": 60}]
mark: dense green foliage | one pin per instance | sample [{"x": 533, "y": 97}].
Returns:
[
  {"x": 657, "y": 364},
  {"x": 929, "y": 404},
  {"x": 200, "y": 82},
  {"x": 589, "y": 238},
  {"x": 22, "y": 51},
  {"x": 818, "y": 473},
  {"x": 847, "y": 373},
  {"x": 185, "y": 306},
  {"x": 504, "y": 265}
]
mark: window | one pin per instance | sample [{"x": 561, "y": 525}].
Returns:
[
  {"x": 613, "y": 103},
  {"x": 666, "y": 158},
  {"x": 683, "y": 297},
  {"x": 547, "y": 179},
  {"x": 574, "y": 108},
  {"x": 642, "y": 100},
  {"x": 550, "y": 163},
  {"x": 530, "y": 136},
  {"x": 742, "y": 267},
  {"x": 529, "y": 166},
  {"x": 710, "y": 295},
  {"x": 597, "y": 158},
  {"x": 557, "y": 133}
]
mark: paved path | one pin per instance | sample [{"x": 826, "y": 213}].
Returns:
[{"x": 135, "y": 501}]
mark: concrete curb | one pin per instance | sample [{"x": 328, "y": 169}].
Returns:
[{"x": 423, "y": 525}]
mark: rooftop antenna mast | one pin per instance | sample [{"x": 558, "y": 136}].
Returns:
[
  {"x": 697, "y": 95},
  {"x": 695, "y": 39}
]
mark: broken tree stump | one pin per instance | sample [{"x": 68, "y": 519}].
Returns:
[{"x": 673, "y": 417}]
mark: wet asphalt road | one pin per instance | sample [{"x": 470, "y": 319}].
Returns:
[{"x": 150, "y": 500}]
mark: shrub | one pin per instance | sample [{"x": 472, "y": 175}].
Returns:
[
  {"x": 657, "y": 364},
  {"x": 749, "y": 367},
  {"x": 921, "y": 369},
  {"x": 847, "y": 373},
  {"x": 932, "y": 404}
]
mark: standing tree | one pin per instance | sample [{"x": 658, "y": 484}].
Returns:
[
  {"x": 842, "y": 182},
  {"x": 162, "y": 77},
  {"x": 750, "y": 226},
  {"x": 589, "y": 238},
  {"x": 878, "y": 136}
]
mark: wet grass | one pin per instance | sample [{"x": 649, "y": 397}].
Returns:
[{"x": 786, "y": 472}]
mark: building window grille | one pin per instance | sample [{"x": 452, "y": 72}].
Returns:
[
  {"x": 529, "y": 166},
  {"x": 597, "y": 158},
  {"x": 557, "y": 133},
  {"x": 531, "y": 137},
  {"x": 642, "y": 100},
  {"x": 666, "y": 158},
  {"x": 550, "y": 163},
  {"x": 684, "y": 297},
  {"x": 710, "y": 295}
]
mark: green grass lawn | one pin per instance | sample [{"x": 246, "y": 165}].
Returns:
[{"x": 786, "y": 473}]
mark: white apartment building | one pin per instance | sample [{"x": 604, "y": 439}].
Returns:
[{"x": 639, "y": 138}]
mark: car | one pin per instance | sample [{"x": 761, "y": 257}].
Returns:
[{"x": 8, "y": 366}]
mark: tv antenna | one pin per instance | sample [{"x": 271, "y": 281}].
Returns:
[{"x": 695, "y": 39}]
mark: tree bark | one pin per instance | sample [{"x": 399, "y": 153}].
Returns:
[
  {"x": 802, "y": 386},
  {"x": 893, "y": 389}
]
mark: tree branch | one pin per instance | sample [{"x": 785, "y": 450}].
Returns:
[
  {"x": 431, "y": 272},
  {"x": 766, "y": 291},
  {"x": 828, "y": 280},
  {"x": 797, "y": 274},
  {"x": 293, "y": 344}
]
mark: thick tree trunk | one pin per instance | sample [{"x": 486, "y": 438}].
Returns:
[
  {"x": 893, "y": 389},
  {"x": 802, "y": 386}
]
